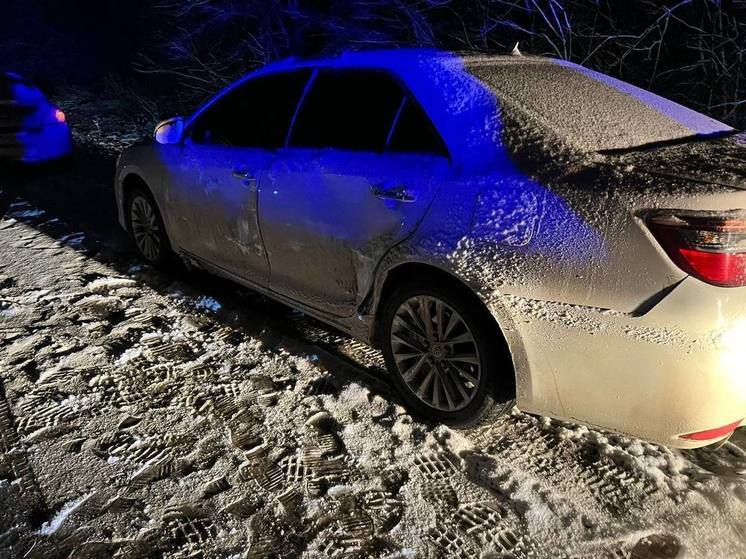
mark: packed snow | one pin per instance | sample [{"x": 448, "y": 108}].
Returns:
[
  {"x": 143, "y": 418},
  {"x": 148, "y": 413}
]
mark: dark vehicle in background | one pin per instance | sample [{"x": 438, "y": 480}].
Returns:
[{"x": 32, "y": 130}]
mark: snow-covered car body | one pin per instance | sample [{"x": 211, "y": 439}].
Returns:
[
  {"x": 32, "y": 129},
  {"x": 534, "y": 184}
]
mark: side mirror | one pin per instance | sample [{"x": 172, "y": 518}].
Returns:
[{"x": 169, "y": 131}]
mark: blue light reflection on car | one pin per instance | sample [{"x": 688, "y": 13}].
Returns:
[
  {"x": 513, "y": 209},
  {"x": 42, "y": 133}
]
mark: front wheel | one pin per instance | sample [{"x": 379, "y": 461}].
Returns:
[
  {"x": 443, "y": 355},
  {"x": 146, "y": 227}
]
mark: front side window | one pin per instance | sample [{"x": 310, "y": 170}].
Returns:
[
  {"x": 254, "y": 114},
  {"x": 349, "y": 109}
]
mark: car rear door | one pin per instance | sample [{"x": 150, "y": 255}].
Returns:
[
  {"x": 211, "y": 183},
  {"x": 362, "y": 166}
]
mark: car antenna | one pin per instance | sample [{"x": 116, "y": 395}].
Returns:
[{"x": 516, "y": 51}]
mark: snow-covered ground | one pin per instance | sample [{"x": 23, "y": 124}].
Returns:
[{"x": 148, "y": 413}]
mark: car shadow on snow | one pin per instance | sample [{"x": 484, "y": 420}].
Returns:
[{"x": 73, "y": 202}]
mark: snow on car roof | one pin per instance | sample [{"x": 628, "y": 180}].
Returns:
[{"x": 592, "y": 111}]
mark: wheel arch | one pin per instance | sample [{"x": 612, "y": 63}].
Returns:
[
  {"x": 512, "y": 349},
  {"x": 133, "y": 180},
  {"x": 130, "y": 183}
]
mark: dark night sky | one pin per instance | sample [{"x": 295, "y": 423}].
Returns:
[
  {"x": 689, "y": 51},
  {"x": 81, "y": 39}
]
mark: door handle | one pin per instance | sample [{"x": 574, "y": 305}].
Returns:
[
  {"x": 244, "y": 175},
  {"x": 241, "y": 173},
  {"x": 399, "y": 193}
]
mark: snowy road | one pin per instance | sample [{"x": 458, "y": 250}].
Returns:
[{"x": 162, "y": 414}]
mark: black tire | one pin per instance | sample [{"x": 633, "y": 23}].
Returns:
[
  {"x": 160, "y": 252},
  {"x": 493, "y": 394}
]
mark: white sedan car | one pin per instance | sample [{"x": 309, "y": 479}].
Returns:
[{"x": 503, "y": 228}]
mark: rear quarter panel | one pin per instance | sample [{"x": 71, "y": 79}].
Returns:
[{"x": 561, "y": 262}]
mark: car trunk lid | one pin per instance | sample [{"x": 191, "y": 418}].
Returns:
[{"x": 718, "y": 162}]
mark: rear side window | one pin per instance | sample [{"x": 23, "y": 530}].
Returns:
[
  {"x": 255, "y": 114},
  {"x": 414, "y": 133},
  {"x": 348, "y": 109}
]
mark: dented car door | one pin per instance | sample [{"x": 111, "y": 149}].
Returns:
[
  {"x": 212, "y": 187},
  {"x": 362, "y": 166}
]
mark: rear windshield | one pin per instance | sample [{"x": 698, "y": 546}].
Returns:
[
  {"x": 592, "y": 111},
  {"x": 9, "y": 78}
]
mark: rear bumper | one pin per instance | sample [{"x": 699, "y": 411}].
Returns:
[
  {"x": 678, "y": 369},
  {"x": 36, "y": 146}
]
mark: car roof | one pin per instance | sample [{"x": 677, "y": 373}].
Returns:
[
  {"x": 13, "y": 78},
  {"x": 397, "y": 57}
]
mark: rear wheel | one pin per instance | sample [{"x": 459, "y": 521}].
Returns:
[
  {"x": 444, "y": 355},
  {"x": 146, "y": 227}
]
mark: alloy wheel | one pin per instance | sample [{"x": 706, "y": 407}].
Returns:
[
  {"x": 436, "y": 353},
  {"x": 146, "y": 228}
]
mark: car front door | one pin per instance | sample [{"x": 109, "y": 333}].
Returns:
[
  {"x": 362, "y": 165},
  {"x": 212, "y": 183}
]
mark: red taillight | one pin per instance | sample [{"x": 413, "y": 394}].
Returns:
[
  {"x": 712, "y": 434},
  {"x": 59, "y": 116},
  {"x": 709, "y": 247}
]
